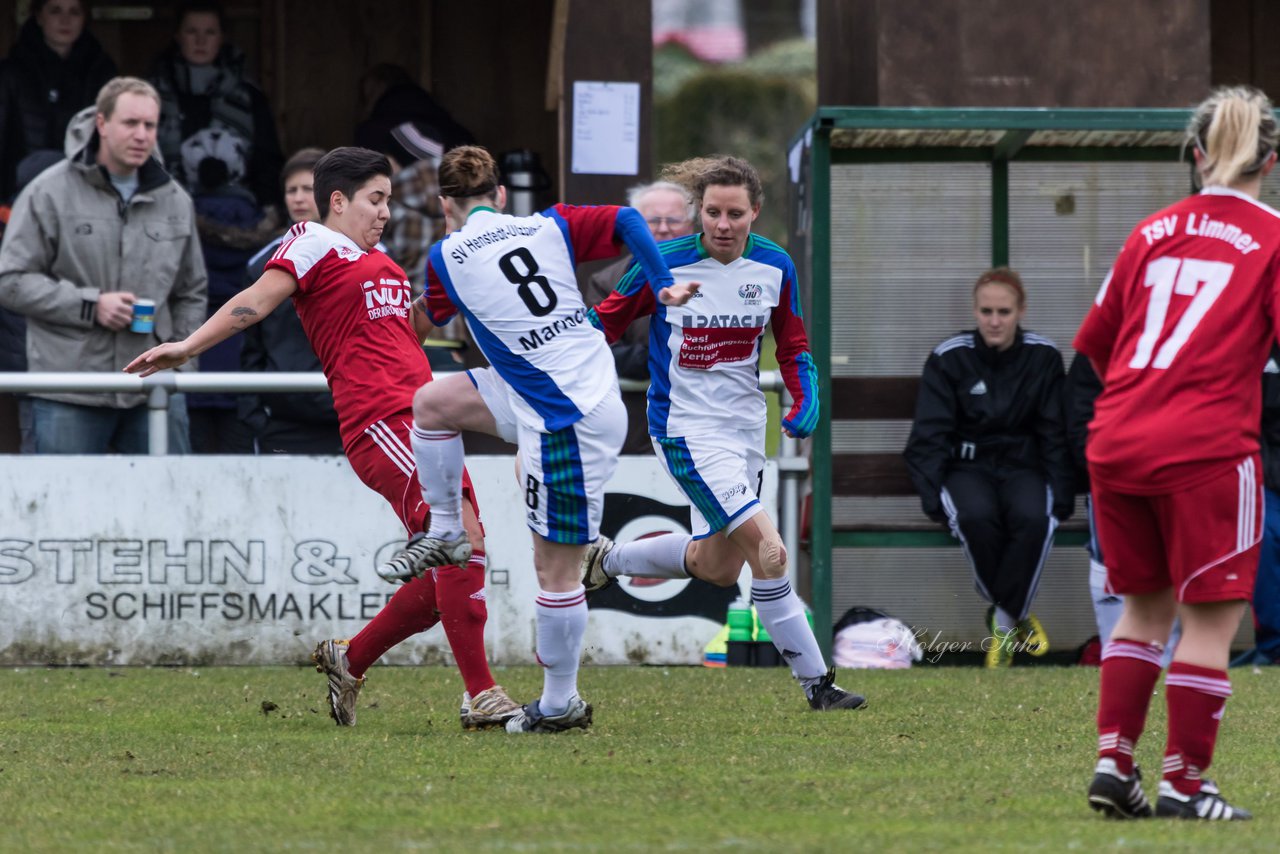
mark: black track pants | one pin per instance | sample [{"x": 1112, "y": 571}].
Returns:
[{"x": 1003, "y": 518}]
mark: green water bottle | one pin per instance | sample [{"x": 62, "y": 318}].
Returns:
[{"x": 740, "y": 620}]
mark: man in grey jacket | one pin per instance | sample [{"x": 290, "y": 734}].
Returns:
[{"x": 87, "y": 239}]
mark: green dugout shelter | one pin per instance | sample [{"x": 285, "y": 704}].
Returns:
[{"x": 893, "y": 214}]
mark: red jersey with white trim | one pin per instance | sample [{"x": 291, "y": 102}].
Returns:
[
  {"x": 1180, "y": 332},
  {"x": 354, "y": 307}
]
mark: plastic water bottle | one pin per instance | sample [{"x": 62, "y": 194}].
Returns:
[{"x": 740, "y": 620}]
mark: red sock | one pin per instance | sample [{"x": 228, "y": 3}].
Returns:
[
  {"x": 1197, "y": 697},
  {"x": 1129, "y": 673},
  {"x": 411, "y": 610},
  {"x": 463, "y": 613}
]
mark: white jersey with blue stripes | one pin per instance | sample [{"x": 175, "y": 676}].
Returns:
[
  {"x": 513, "y": 279},
  {"x": 705, "y": 355}
]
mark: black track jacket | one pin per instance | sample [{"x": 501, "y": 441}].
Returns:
[{"x": 983, "y": 408}]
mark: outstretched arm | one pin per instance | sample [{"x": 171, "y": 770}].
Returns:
[
  {"x": 240, "y": 312},
  {"x": 635, "y": 297}
]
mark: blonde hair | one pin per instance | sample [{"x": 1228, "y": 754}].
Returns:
[
  {"x": 1234, "y": 129},
  {"x": 117, "y": 86},
  {"x": 698, "y": 173}
]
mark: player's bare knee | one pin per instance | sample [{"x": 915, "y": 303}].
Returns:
[
  {"x": 423, "y": 416},
  {"x": 772, "y": 557},
  {"x": 720, "y": 570}
]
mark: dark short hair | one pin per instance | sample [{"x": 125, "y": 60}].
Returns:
[
  {"x": 346, "y": 170},
  {"x": 302, "y": 160},
  {"x": 195, "y": 7},
  {"x": 37, "y": 5}
]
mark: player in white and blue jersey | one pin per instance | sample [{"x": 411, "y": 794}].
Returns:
[
  {"x": 552, "y": 390},
  {"x": 707, "y": 412}
]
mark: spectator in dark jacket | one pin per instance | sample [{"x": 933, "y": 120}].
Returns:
[
  {"x": 988, "y": 454},
  {"x": 55, "y": 69},
  {"x": 1080, "y": 391},
  {"x": 298, "y": 422},
  {"x": 395, "y": 98},
  {"x": 407, "y": 125},
  {"x": 13, "y": 331},
  {"x": 217, "y": 159},
  {"x": 1266, "y": 590},
  {"x": 202, "y": 84}
]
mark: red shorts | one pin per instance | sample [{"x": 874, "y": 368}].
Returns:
[
  {"x": 1202, "y": 541},
  {"x": 383, "y": 459}
]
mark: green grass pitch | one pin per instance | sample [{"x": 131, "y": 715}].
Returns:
[{"x": 680, "y": 759}]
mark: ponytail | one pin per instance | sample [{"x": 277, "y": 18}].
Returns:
[{"x": 1234, "y": 129}]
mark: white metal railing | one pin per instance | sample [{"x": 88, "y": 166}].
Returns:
[{"x": 792, "y": 466}]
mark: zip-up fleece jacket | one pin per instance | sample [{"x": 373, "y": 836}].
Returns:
[{"x": 72, "y": 237}]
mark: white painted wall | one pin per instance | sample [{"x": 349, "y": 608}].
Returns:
[{"x": 252, "y": 560}]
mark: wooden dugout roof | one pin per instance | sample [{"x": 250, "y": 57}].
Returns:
[{"x": 997, "y": 134}]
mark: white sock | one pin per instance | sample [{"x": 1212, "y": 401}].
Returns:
[
  {"x": 782, "y": 614},
  {"x": 439, "y": 457},
  {"x": 562, "y": 621},
  {"x": 1004, "y": 620},
  {"x": 652, "y": 557}
]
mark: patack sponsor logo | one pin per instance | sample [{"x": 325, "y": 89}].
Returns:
[{"x": 722, "y": 321}]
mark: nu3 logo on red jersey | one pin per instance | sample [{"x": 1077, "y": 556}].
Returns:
[{"x": 387, "y": 296}]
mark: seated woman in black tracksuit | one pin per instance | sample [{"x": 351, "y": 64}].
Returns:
[{"x": 988, "y": 455}]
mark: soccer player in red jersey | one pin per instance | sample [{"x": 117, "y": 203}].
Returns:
[
  {"x": 1179, "y": 334},
  {"x": 354, "y": 303}
]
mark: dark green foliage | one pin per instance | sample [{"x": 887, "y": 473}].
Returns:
[{"x": 740, "y": 111}]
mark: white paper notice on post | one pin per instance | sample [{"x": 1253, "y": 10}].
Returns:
[{"x": 606, "y": 128}]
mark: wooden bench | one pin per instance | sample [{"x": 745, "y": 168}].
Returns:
[{"x": 882, "y": 474}]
